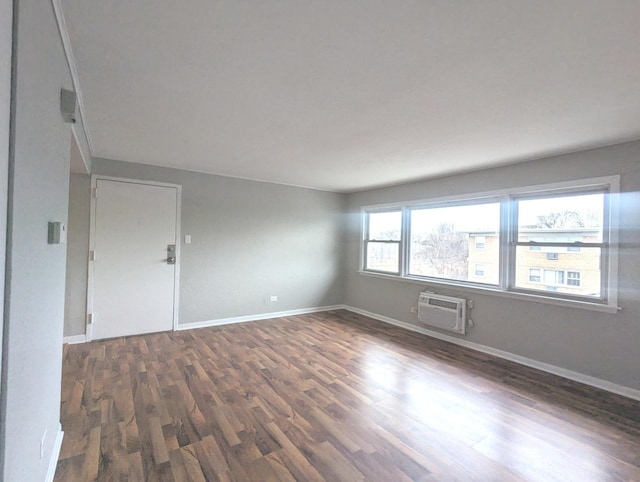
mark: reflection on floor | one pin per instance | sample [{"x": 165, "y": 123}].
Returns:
[{"x": 330, "y": 396}]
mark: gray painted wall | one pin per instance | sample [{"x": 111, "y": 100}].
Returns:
[
  {"x": 591, "y": 343},
  {"x": 253, "y": 239},
  {"x": 249, "y": 240},
  {"x": 34, "y": 304},
  {"x": 75, "y": 308},
  {"x": 6, "y": 29},
  {"x": 82, "y": 143}
]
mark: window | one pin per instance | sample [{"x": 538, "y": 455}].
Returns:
[
  {"x": 570, "y": 228},
  {"x": 551, "y": 241},
  {"x": 573, "y": 278},
  {"x": 382, "y": 241},
  {"x": 440, "y": 236},
  {"x": 534, "y": 275},
  {"x": 554, "y": 277}
]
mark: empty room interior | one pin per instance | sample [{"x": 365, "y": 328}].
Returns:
[{"x": 281, "y": 240}]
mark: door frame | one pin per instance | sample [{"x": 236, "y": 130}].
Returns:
[{"x": 92, "y": 239}]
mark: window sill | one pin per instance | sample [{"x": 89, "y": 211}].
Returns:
[{"x": 583, "y": 305}]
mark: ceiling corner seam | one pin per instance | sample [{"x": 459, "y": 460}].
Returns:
[{"x": 66, "y": 44}]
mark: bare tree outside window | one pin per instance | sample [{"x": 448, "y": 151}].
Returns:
[
  {"x": 569, "y": 219},
  {"x": 440, "y": 239},
  {"x": 443, "y": 252}
]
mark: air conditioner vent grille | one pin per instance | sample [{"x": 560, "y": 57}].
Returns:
[{"x": 450, "y": 305}]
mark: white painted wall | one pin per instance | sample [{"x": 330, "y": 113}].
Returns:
[
  {"x": 595, "y": 344},
  {"x": 250, "y": 240},
  {"x": 38, "y": 193}
]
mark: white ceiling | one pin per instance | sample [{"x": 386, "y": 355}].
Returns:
[{"x": 352, "y": 94}]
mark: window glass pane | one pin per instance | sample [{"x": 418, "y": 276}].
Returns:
[
  {"x": 383, "y": 257},
  {"x": 572, "y": 273},
  {"x": 443, "y": 244},
  {"x": 563, "y": 219},
  {"x": 534, "y": 275},
  {"x": 573, "y": 278},
  {"x": 550, "y": 276},
  {"x": 385, "y": 226}
]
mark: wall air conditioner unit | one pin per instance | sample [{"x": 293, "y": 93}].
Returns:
[{"x": 444, "y": 312}]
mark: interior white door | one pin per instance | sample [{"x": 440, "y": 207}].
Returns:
[{"x": 133, "y": 282}]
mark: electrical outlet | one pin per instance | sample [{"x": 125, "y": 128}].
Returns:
[
  {"x": 273, "y": 298},
  {"x": 414, "y": 309}
]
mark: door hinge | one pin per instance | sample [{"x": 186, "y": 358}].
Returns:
[
  {"x": 89, "y": 318},
  {"x": 92, "y": 255},
  {"x": 94, "y": 192}
]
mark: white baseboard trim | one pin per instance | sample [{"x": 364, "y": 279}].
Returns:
[
  {"x": 72, "y": 340},
  {"x": 545, "y": 367},
  {"x": 55, "y": 454},
  {"x": 262, "y": 316}
]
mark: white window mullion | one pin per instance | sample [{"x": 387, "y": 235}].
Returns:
[
  {"x": 508, "y": 229},
  {"x": 405, "y": 241},
  {"x": 364, "y": 239}
]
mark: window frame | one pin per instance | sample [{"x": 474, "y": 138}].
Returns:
[
  {"x": 507, "y": 241},
  {"x": 366, "y": 241},
  {"x": 409, "y": 208},
  {"x": 604, "y": 245}
]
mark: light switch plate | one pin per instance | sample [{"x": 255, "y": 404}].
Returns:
[{"x": 56, "y": 233}]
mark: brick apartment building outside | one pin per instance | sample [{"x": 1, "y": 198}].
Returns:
[{"x": 572, "y": 270}]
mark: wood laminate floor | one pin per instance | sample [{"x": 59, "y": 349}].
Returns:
[{"x": 330, "y": 396}]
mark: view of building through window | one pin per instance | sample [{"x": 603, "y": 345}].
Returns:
[
  {"x": 440, "y": 241},
  {"x": 558, "y": 243},
  {"x": 559, "y": 226}
]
